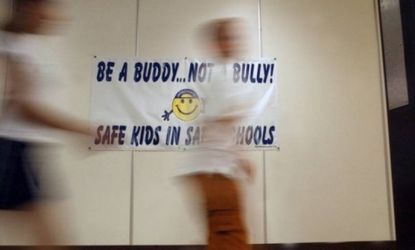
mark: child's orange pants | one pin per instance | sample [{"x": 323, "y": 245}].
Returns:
[{"x": 224, "y": 213}]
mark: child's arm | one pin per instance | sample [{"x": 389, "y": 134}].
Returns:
[{"x": 35, "y": 110}]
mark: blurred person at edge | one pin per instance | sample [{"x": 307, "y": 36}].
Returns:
[
  {"x": 215, "y": 167},
  {"x": 30, "y": 117}
]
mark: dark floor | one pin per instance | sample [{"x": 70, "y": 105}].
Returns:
[
  {"x": 385, "y": 245},
  {"x": 402, "y": 137},
  {"x": 402, "y": 146}
]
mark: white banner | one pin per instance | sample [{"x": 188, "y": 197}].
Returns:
[{"x": 141, "y": 104}]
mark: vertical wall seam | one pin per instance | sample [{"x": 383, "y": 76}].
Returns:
[
  {"x": 132, "y": 176},
  {"x": 260, "y": 27},
  {"x": 264, "y": 198},
  {"x": 382, "y": 71},
  {"x": 131, "y": 238},
  {"x": 136, "y": 29},
  {"x": 264, "y": 186}
]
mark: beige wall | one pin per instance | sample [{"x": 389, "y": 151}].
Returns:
[{"x": 329, "y": 181}]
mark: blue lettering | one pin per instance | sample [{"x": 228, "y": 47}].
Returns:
[
  {"x": 156, "y": 135},
  {"x": 202, "y": 72},
  {"x": 137, "y": 74},
  {"x": 257, "y": 135},
  {"x": 249, "y": 135},
  {"x": 147, "y": 71},
  {"x": 192, "y": 72},
  {"x": 156, "y": 71},
  {"x": 98, "y": 138},
  {"x": 121, "y": 136},
  {"x": 270, "y": 141},
  {"x": 149, "y": 135},
  {"x": 110, "y": 70},
  {"x": 236, "y": 72},
  {"x": 123, "y": 74},
  {"x": 166, "y": 72},
  {"x": 134, "y": 135},
  {"x": 100, "y": 73},
  {"x": 266, "y": 71},
  {"x": 240, "y": 135},
  {"x": 189, "y": 136},
  {"x": 251, "y": 75},
  {"x": 245, "y": 72},
  {"x": 258, "y": 74},
  {"x": 175, "y": 69}
]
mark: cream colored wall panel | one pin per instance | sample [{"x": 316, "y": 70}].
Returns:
[
  {"x": 328, "y": 182},
  {"x": 169, "y": 30},
  {"x": 163, "y": 213},
  {"x": 97, "y": 27},
  {"x": 98, "y": 200},
  {"x": 99, "y": 185},
  {"x": 102, "y": 27},
  {"x": 253, "y": 197},
  {"x": 166, "y": 208}
]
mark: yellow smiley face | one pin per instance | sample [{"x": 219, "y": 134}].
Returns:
[{"x": 186, "y": 105}]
